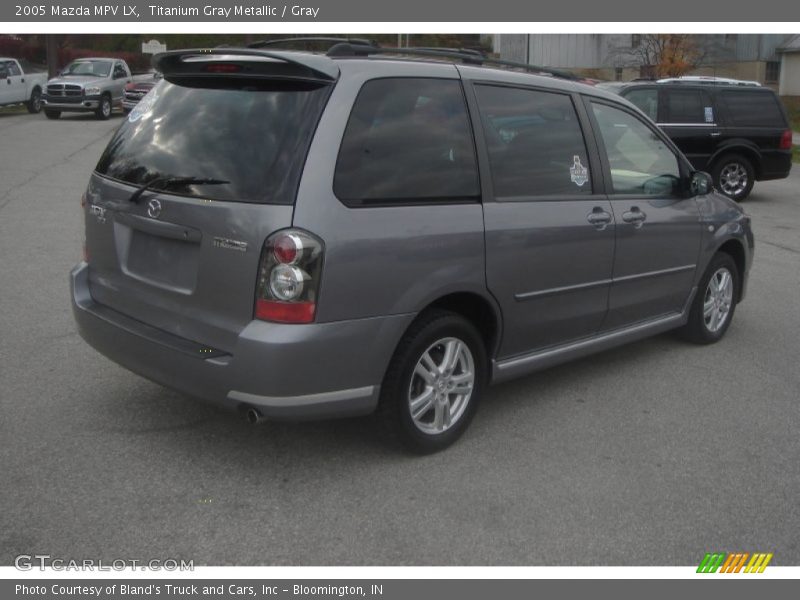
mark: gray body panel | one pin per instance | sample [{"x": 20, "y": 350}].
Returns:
[
  {"x": 655, "y": 264},
  {"x": 544, "y": 303},
  {"x": 185, "y": 286},
  {"x": 559, "y": 287},
  {"x": 267, "y": 367},
  {"x": 384, "y": 260}
]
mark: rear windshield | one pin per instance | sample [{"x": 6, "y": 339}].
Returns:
[
  {"x": 752, "y": 108},
  {"x": 255, "y": 136}
]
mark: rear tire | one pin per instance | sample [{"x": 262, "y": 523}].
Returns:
[
  {"x": 434, "y": 382},
  {"x": 34, "y": 105},
  {"x": 103, "y": 111},
  {"x": 52, "y": 114},
  {"x": 734, "y": 176},
  {"x": 715, "y": 302}
]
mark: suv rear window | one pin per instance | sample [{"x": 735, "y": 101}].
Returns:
[
  {"x": 254, "y": 135},
  {"x": 407, "y": 140},
  {"x": 752, "y": 108}
]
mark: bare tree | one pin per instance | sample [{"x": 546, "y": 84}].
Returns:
[{"x": 669, "y": 54}]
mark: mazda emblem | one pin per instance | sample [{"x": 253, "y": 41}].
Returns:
[{"x": 153, "y": 208}]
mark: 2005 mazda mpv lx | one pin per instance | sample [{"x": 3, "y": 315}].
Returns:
[{"x": 300, "y": 235}]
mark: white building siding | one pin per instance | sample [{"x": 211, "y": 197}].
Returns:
[{"x": 790, "y": 74}]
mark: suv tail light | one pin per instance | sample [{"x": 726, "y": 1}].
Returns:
[
  {"x": 786, "y": 140},
  {"x": 288, "y": 277}
]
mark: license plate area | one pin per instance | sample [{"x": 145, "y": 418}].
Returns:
[{"x": 168, "y": 263}]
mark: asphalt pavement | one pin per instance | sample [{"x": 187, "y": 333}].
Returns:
[{"x": 651, "y": 454}]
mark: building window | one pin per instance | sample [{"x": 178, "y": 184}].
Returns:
[
  {"x": 636, "y": 40},
  {"x": 773, "y": 71},
  {"x": 618, "y": 74}
]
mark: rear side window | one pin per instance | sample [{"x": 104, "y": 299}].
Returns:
[
  {"x": 407, "y": 140},
  {"x": 255, "y": 135},
  {"x": 535, "y": 142},
  {"x": 689, "y": 106},
  {"x": 752, "y": 108},
  {"x": 645, "y": 100}
]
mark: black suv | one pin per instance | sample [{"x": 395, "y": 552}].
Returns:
[{"x": 737, "y": 131}]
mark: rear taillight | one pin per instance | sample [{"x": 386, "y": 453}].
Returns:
[
  {"x": 288, "y": 277},
  {"x": 786, "y": 140}
]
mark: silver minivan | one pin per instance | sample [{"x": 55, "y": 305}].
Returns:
[{"x": 298, "y": 235}]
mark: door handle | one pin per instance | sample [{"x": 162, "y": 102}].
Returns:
[
  {"x": 634, "y": 216},
  {"x": 599, "y": 218}
]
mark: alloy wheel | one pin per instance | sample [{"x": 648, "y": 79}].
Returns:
[
  {"x": 718, "y": 299},
  {"x": 441, "y": 385},
  {"x": 733, "y": 179}
]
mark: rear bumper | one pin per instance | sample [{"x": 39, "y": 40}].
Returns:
[
  {"x": 291, "y": 372},
  {"x": 775, "y": 164}
]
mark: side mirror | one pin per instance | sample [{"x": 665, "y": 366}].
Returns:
[{"x": 701, "y": 183}]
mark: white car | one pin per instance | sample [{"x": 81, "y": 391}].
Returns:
[{"x": 19, "y": 87}]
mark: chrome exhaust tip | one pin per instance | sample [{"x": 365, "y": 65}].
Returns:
[{"x": 254, "y": 416}]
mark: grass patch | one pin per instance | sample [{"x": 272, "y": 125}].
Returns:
[
  {"x": 13, "y": 109},
  {"x": 792, "y": 104}
]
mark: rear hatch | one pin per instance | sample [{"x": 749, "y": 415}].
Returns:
[{"x": 183, "y": 256}]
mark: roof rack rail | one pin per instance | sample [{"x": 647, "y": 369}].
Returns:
[
  {"x": 305, "y": 40},
  {"x": 709, "y": 80},
  {"x": 467, "y": 56}
]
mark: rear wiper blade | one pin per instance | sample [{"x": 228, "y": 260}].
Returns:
[{"x": 165, "y": 183}]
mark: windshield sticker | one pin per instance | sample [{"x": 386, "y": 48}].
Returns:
[
  {"x": 709, "y": 114},
  {"x": 578, "y": 174},
  {"x": 144, "y": 106}
]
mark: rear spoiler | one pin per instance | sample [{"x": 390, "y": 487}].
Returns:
[{"x": 245, "y": 63}]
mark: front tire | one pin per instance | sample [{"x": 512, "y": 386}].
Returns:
[
  {"x": 713, "y": 306},
  {"x": 434, "y": 382},
  {"x": 34, "y": 105},
  {"x": 734, "y": 176},
  {"x": 103, "y": 111},
  {"x": 52, "y": 114}
]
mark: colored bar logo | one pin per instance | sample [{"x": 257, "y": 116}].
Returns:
[{"x": 734, "y": 562}]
